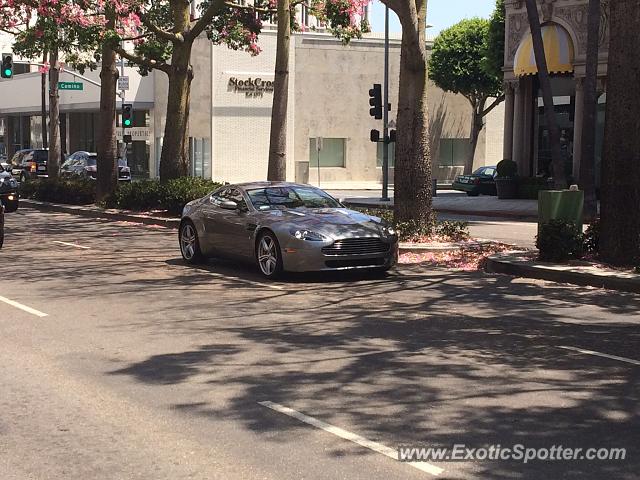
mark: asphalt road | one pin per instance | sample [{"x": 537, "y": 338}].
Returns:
[{"x": 144, "y": 367}]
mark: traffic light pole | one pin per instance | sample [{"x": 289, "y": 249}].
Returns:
[{"x": 385, "y": 110}]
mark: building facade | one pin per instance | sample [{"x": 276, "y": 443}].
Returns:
[
  {"x": 526, "y": 137},
  {"x": 232, "y": 92}
]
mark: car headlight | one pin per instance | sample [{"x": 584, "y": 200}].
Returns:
[
  {"x": 388, "y": 230},
  {"x": 308, "y": 235}
]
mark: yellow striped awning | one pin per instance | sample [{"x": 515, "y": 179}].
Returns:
[{"x": 558, "y": 49}]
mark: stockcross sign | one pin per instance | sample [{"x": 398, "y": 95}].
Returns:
[
  {"x": 70, "y": 85},
  {"x": 251, "y": 87}
]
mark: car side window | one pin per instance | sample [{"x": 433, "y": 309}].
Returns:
[
  {"x": 489, "y": 171},
  {"x": 236, "y": 195}
]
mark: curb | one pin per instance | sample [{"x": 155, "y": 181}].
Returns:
[
  {"x": 502, "y": 264},
  {"x": 96, "y": 212},
  {"x": 451, "y": 247},
  {"x": 451, "y": 211}
]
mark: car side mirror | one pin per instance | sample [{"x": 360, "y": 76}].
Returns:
[{"x": 229, "y": 205}]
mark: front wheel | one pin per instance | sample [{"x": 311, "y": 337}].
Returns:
[
  {"x": 268, "y": 255},
  {"x": 189, "y": 243}
]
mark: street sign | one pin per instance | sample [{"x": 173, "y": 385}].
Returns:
[
  {"x": 70, "y": 85},
  {"x": 123, "y": 83}
]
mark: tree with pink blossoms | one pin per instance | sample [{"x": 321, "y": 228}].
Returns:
[{"x": 62, "y": 28}]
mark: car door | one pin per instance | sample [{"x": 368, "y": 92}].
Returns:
[{"x": 228, "y": 232}]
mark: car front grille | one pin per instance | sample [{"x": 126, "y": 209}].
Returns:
[{"x": 357, "y": 246}]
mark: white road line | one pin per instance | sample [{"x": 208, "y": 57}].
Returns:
[
  {"x": 30, "y": 310},
  {"x": 352, "y": 437},
  {"x": 72, "y": 245},
  {"x": 604, "y": 355}
]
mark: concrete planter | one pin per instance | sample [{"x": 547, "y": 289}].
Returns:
[{"x": 507, "y": 188}]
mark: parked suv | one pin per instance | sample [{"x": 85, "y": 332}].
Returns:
[{"x": 30, "y": 164}]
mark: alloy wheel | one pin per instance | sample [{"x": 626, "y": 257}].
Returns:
[
  {"x": 188, "y": 241},
  {"x": 268, "y": 255}
]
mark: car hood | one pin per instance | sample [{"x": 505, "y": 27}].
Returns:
[{"x": 332, "y": 222}]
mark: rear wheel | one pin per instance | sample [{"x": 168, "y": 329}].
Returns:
[
  {"x": 268, "y": 255},
  {"x": 189, "y": 243}
]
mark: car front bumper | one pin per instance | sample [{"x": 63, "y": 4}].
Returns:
[{"x": 307, "y": 256}]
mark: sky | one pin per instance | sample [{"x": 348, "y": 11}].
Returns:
[{"x": 440, "y": 13}]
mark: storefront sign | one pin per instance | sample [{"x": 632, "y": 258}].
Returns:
[
  {"x": 138, "y": 134},
  {"x": 251, "y": 87}
]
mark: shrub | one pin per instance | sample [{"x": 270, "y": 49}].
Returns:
[
  {"x": 559, "y": 241},
  {"x": 175, "y": 194},
  {"x": 76, "y": 191},
  {"x": 140, "y": 195},
  {"x": 507, "y": 169},
  {"x": 413, "y": 231},
  {"x": 592, "y": 237},
  {"x": 151, "y": 194},
  {"x": 454, "y": 230}
]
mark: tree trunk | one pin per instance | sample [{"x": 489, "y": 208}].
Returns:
[
  {"x": 277, "y": 170},
  {"x": 55, "y": 147},
  {"x": 174, "y": 159},
  {"x": 412, "y": 183},
  {"x": 43, "y": 114},
  {"x": 620, "y": 215},
  {"x": 476, "y": 128},
  {"x": 557, "y": 162},
  {"x": 106, "y": 148},
  {"x": 588, "y": 147}
]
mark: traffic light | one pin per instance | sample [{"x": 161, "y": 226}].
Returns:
[
  {"x": 375, "y": 100},
  {"x": 375, "y": 136},
  {"x": 392, "y": 136},
  {"x": 7, "y": 65},
  {"x": 127, "y": 115}
]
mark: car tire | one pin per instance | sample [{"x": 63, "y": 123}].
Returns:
[
  {"x": 269, "y": 255},
  {"x": 190, "y": 243},
  {"x": 1, "y": 226}
]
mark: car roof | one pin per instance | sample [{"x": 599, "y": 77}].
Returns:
[{"x": 254, "y": 185}]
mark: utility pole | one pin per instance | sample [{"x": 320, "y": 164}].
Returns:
[{"x": 385, "y": 118}]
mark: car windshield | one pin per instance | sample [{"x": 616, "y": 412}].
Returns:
[{"x": 290, "y": 197}]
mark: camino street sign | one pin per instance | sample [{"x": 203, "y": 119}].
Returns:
[{"x": 70, "y": 85}]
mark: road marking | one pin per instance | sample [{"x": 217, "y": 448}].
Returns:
[
  {"x": 30, "y": 310},
  {"x": 72, "y": 245},
  {"x": 604, "y": 355},
  {"x": 352, "y": 437}
]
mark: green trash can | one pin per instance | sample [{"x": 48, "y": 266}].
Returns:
[{"x": 560, "y": 205}]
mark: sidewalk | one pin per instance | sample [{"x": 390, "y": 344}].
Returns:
[
  {"x": 522, "y": 264},
  {"x": 450, "y": 201}
]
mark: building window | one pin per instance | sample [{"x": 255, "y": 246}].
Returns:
[
  {"x": 454, "y": 151},
  {"x": 200, "y": 156},
  {"x": 331, "y": 155},
  {"x": 392, "y": 155}
]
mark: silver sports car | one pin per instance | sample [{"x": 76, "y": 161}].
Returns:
[{"x": 284, "y": 227}]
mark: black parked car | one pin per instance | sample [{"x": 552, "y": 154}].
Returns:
[
  {"x": 84, "y": 164},
  {"x": 31, "y": 163},
  {"x": 480, "y": 182},
  {"x": 8, "y": 191}
]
